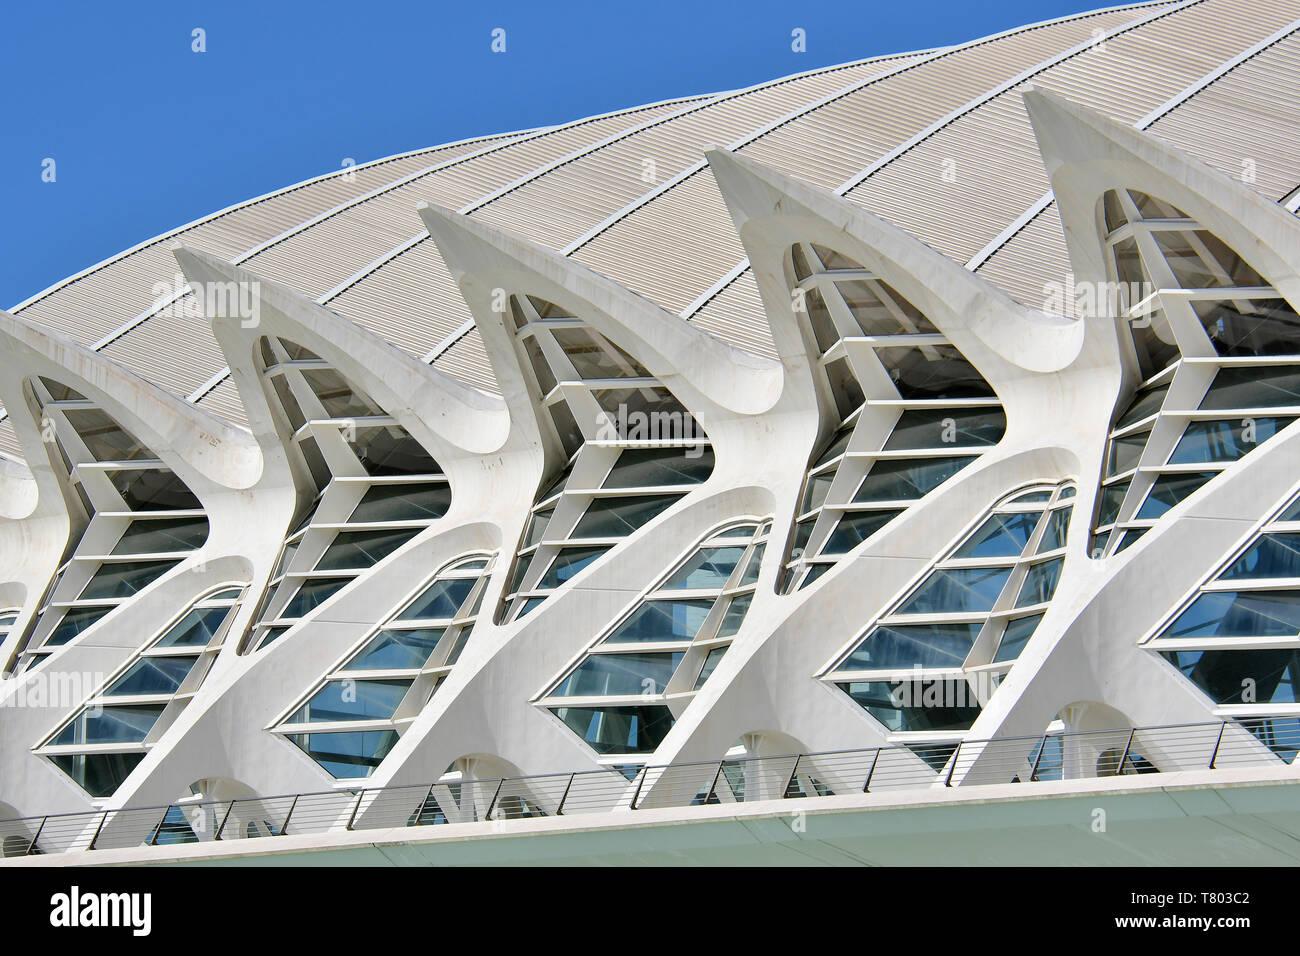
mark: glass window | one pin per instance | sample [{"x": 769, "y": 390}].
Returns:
[
  {"x": 123, "y": 579},
  {"x": 568, "y": 562},
  {"x": 1015, "y": 637},
  {"x": 104, "y": 438},
  {"x": 1253, "y": 387},
  {"x": 1000, "y": 536},
  {"x": 652, "y": 467},
  {"x": 1200, "y": 260},
  {"x": 1149, "y": 207},
  {"x": 933, "y": 372},
  {"x": 1112, "y": 496},
  {"x": 402, "y": 502},
  {"x": 833, "y": 261},
  {"x": 114, "y": 724},
  {"x": 195, "y": 630},
  {"x": 350, "y": 753},
  {"x": 1168, "y": 490},
  {"x": 894, "y": 480},
  {"x": 619, "y": 730},
  {"x": 352, "y": 700},
  {"x": 662, "y": 621},
  {"x": 918, "y": 705},
  {"x": 947, "y": 427},
  {"x": 707, "y": 568},
  {"x": 1125, "y": 452},
  {"x": 1225, "y": 440},
  {"x": 440, "y": 600},
  {"x": 1272, "y": 556},
  {"x": 1040, "y": 583},
  {"x": 711, "y": 663},
  {"x": 619, "y": 675},
  {"x": 1239, "y": 614},
  {"x": 844, "y": 387},
  {"x": 1241, "y": 677},
  {"x": 594, "y": 356},
  {"x": 838, "y": 443},
  {"x": 337, "y": 396},
  {"x": 161, "y": 535},
  {"x": 1247, "y": 328},
  {"x": 541, "y": 368},
  {"x": 1058, "y": 523},
  {"x": 566, "y": 428},
  {"x": 152, "y": 675},
  {"x": 388, "y": 450},
  {"x": 362, "y": 549},
  {"x": 153, "y": 489},
  {"x": 397, "y": 650},
  {"x": 1145, "y": 404},
  {"x": 735, "y": 615},
  {"x": 312, "y": 593},
  {"x": 73, "y": 623},
  {"x": 873, "y": 313},
  {"x": 903, "y": 646},
  {"x": 98, "y": 774},
  {"x": 819, "y": 317},
  {"x": 854, "y": 528},
  {"x": 957, "y": 591},
  {"x": 618, "y": 517}
]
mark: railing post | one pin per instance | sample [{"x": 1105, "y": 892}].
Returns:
[
  {"x": 794, "y": 773},
  {"x": 361, "y": 794},
  {"x": 1119, "y": 771},
  {"x": 284, "y": 827},
  {"x": 493, "y": 802},
  {"x": 1038, "y": 758},
  {"x": 153, "y": 835},
  {"x": 424, "y": 803},
  {"x": 31, "y": 847},
  {"x": 98, "y": 830},
  {"x": 866, "y": 785},
  {"x": 224, "y": 819},
  {"x": 947, "y": 780},
  {"x": 1215, "y": 756},
  {"x": 714, "y": 786},
  {"x": 645, "y": 772},
  {"x": 559, "y": 808}
]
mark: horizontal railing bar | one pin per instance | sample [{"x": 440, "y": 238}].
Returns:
[{"x": 1028, "y": 758}]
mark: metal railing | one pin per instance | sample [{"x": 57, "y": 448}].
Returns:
[{"x": 1248, "y": 742}]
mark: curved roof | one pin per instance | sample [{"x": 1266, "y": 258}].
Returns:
[{"x": 936, "y": 142}]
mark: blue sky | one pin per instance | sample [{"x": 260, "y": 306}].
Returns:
[{"x": 147, "y": 135}]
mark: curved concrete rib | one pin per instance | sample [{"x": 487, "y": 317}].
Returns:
[
  {"x": 221, "y": 466},
  {"x": 490, "y": 464},
  {"x": 743, "y": 403},
  {"x": 1086, "y": 155},
  {"x": 1055, "y": 378},
  {"x": 702, "y": 371}
]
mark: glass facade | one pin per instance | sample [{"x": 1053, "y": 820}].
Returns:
[
  {"x": 140, "y": 520},
  {"x": 929, "y": 662},
  {"x": 354, "y": 714},
  {"x": 109, "y": 734},
  {"x": 874, "y": 355},
  {"x": 377, "y": 487},
  {"x": 634, "y": 449},
  {"x": 1186, "y": 294},
  {"x": 662, "y": 651}
]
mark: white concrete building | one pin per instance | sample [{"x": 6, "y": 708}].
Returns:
[{"x": 910, "y": 436}]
